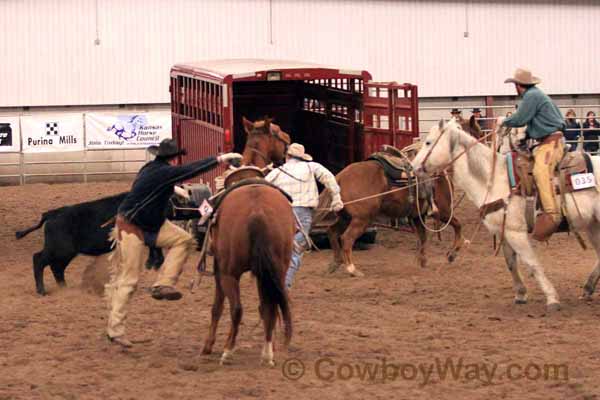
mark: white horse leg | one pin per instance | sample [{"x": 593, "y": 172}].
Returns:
[
  {"x": 267, "y": 354},
  {"x": 511, "y": 262},
  {"x": 521, "y": 245},
  {"x": 592, "y": 281}
]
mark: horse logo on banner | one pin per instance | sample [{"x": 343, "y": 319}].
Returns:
[{"x": 127, "y": 126}]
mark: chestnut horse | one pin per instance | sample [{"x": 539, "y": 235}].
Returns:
[
  {"x": 264, "y": 145},
  {"x": 253, "y": 231},
  {"x": 367, "y": 178}
]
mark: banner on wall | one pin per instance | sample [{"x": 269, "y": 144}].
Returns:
[
  {"x": 52, "y": 133},
  {"x": 10, "y": 137},
  {"x": 126, "y": 130}
]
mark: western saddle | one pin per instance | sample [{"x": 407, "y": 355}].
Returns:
[{"x": 522, "y": 183}]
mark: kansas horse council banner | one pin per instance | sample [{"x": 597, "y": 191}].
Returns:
[
  {"x": 10, "y": 138},
  {"x": 126, "y": 130},
  {"x": 52, "y": 133}
]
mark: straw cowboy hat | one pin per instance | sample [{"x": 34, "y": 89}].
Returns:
[
  {"x": 524, "y": 77},
  {"x": 296, "y": 150},
  {"x": 166, "y": 149}
]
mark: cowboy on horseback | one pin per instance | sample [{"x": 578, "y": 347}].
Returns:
[
  {"x": 141, "y": 222},
  {"x": 298, "y": 177},
  {"x": 545, "y": 125}
]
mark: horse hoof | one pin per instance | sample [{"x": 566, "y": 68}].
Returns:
[
  {"x": 355, "y": 272},
  {"x": 267, "y": 363},
  {"x": 333, "y": 267},
  {"x": 553, "y": 307},
  {"x": 451, "y": 256},
  {"x": 206, "y": 350},
  {"x": 226, "y": 357},
  {"x": 586, "y": 296},
  {"x": 520, "y": 301}
]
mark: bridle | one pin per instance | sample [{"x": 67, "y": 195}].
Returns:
[
  {"x": 273, "y": 134},
  {"x": 453, "y": 160}
]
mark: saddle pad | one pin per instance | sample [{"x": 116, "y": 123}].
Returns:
[
  {"x": 513, "y": 178},
  {"x": 397, "y": 170},
  {"x": 574, "y": 163}
]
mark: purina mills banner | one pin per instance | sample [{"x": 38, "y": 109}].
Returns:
[
  {"x": 121, "y": 131},
  {"x": 49, "y": 133}
]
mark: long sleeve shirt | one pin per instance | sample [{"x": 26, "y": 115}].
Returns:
[
  {"x": 146, "y": 203},
  {"x": 298, "y": 179},
  {"x": 539, "y": 113}
]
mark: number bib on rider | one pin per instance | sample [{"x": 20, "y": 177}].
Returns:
[{"x": 583, "y": 181}]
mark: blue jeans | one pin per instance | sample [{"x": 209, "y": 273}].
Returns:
[{"x": 305, "y": 215}]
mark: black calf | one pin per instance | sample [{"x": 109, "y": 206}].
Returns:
[{"x": 73, "y": 230}]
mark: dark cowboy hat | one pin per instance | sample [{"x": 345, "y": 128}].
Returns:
[
  {"x": 476, "y": 110},
  {"x": 166, "y": 149},
  {"x": 455, "y": 111}
]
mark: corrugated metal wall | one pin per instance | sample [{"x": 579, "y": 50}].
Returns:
[{"x": 48, "y": 55}]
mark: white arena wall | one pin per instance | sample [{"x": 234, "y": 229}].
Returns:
[
  {"x": 90, "y": 52},
  {"x": 101, "y": 55}
]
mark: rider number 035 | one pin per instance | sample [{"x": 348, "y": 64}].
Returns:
[{"x": 583, "y": 181}]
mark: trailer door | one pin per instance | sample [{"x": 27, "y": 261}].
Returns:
[{"x": 391, "y": 116}]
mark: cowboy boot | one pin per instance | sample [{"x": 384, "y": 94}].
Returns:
[
  {"x": 545, "y": 225},
  {"x": 165, "y": 293}
]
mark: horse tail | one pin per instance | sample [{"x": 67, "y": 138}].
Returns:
[
  {"x": 270, "y": 278},
  {"x": 25, "y": 232},
  {"x": 323, "y": 212}
]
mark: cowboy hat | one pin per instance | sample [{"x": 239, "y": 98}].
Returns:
[
  {"x": 523, "y": 77},
  {"x": 476, "y": 110},
  {"x": 296, "y": 150},
  {"x": 455, "y": 111},
  {"x": 166, "y": 149}
]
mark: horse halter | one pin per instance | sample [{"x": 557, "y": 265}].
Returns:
[
  {"x": 443, "y": 130},
  {"x": 273, "y": 133}
]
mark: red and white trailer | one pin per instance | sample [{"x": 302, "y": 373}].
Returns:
[{"x": 339, "y": 115}]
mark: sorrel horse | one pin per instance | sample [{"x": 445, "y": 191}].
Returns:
[
  {"x": 473, "y": 167},
  {"x": 254, "y": 231},
  {"x": 364, "y": 179},
  {"x": 266, "y": 143}
]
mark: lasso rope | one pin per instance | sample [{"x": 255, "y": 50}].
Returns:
[
  {"x": 373, "y": 196},
  {"x": 436, "y": 230}
]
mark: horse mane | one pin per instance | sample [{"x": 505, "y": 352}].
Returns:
[{"x": 478, "y": 163}]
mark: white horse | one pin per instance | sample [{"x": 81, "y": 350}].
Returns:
[{"x": 472, "y": 172}]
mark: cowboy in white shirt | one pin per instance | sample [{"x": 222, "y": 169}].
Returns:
[{"x": 298, "y": 177}]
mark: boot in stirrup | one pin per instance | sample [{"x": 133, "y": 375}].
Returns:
[{"x": 545, "y": 225}]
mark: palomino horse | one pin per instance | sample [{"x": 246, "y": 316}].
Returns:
[
  {"x": 253, "y": 231},
  {"x": 471, "y": 161},
  {"x": 366, "y": 180}
]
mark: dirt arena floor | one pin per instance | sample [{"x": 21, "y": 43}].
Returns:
[{"x": 450, "y": 331}]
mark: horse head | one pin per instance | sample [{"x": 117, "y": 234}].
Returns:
[
  {"x": 437, "y": 148},
  {"x": 266, "y": 143}
]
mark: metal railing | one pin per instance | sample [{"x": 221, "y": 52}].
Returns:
[
  {"x": 582, "y": 108},
  {"x": 22, "y": 165}
]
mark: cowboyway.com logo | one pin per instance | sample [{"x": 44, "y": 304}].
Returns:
[{"x": 423, "y": 373}]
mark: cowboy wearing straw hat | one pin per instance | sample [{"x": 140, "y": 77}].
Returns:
[
  {"x": 545, "y": 125},
  {"x": 298, "y": 177},
  {"x": 141, "y": 222}
]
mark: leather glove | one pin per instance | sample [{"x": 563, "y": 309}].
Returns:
[
  {"x": 229, "y": 157},
  {"x": 337, "y": 205}
]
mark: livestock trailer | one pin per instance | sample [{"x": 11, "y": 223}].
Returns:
[{"x": 339, "y": 115}]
